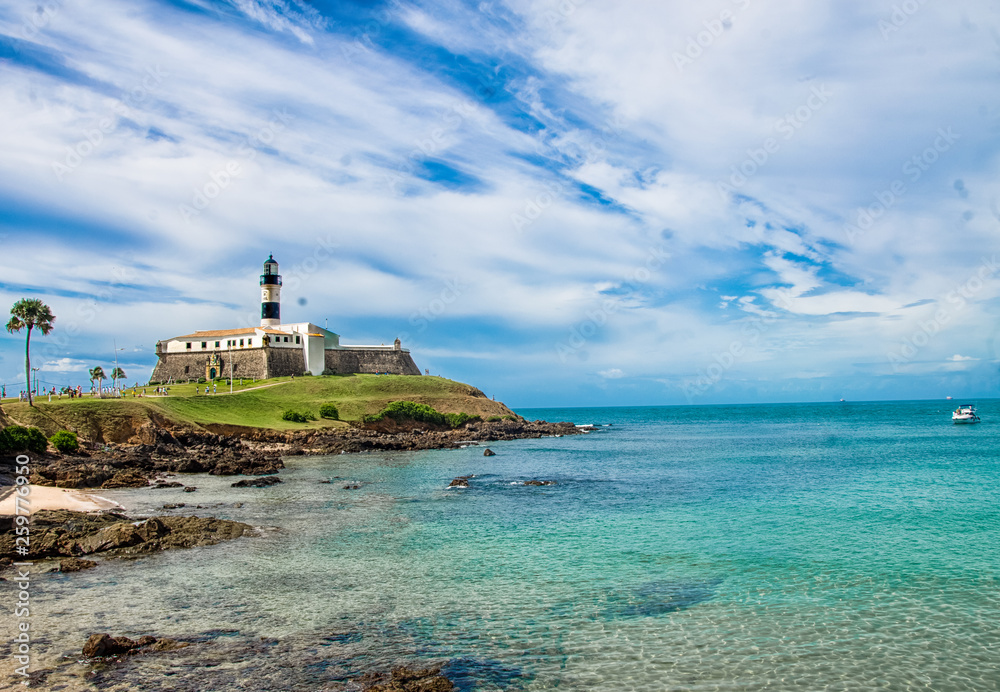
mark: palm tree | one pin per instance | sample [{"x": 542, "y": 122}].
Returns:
[
  {"x": 97, "y": 373},
  {"x": 30, "y": 313},
  {"x": 117, "y": 374}
]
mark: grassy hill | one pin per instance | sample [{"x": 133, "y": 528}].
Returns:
[{"x": 254, "y": 404}]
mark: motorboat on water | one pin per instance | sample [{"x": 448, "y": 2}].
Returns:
[{"x": 965, "y": 413}]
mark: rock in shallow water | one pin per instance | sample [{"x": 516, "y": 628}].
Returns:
[
  {"x": 259, "y": 482},
  {"x": 414, "y": 680},
  {"x": 489, "y": 452},
  {"x": 73, "y": 564},
  {"x": 102, "y": 645}
]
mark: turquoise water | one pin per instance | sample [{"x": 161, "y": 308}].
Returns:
[{"x": 790, "y": 547}]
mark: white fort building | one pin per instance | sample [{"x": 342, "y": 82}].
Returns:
[{"x": 273, "y": 349}]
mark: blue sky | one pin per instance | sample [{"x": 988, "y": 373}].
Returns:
[{"x": 572, "y": 202}]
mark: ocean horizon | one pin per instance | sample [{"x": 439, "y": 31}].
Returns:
[{"x": 831, "y": 545}]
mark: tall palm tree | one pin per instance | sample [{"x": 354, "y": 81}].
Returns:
[
  {"x": 30, "y": 313},
  {"x": 97, "y": 373},
  {"x": 117, "y": 374}
]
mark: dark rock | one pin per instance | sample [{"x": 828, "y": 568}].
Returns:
[
  {"x": 166, "y": 644},
  {"x": 539, "y": 482},
  {"x": 411, "y": 680},
  {"x": 173, "y": 506},
  {"x": 460, "y": 482},
  {"x": 56, "y": 533},
  {"x": 106, "y": 645},
  {"x": 166, "y": 484},
  {"x": 259, "y": 482},
  {"x": 102, "y": 645},
  {"x": 127, "y": 479},
  {"x": 489, "y": 452},
  {"x": 72, "y": 564},
  {"x": 190, "y": 488}
]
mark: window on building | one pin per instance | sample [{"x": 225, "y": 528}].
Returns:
[
  {"x": 286, "y": 339},
  {"x": 241, "y": 342},
  {"x": 297, "y": 339},
  {"x": 187, "y": 369},
  {"x": 189, "y": 345},
  {"x": 204, "y": 345},
  {"x": 217, "y": 344},
  {"x": 249, "y": 342}
]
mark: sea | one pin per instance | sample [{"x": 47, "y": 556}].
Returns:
[{"x": 831, "y": 546}]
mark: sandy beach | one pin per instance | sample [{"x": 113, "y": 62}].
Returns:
[{"x": 46, "y": 497}]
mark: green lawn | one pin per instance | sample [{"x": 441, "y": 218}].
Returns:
[{"x": 257, "y": 404}]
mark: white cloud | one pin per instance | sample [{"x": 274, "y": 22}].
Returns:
[
  {"x": 64, "y": 365},
  {"x": 612, "y": 374}
]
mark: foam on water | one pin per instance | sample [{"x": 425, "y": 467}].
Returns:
[{"x": 837, "y": 547}]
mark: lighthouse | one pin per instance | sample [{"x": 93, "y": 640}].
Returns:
[{"x": 270, "y": 294}]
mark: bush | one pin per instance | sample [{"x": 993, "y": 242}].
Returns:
[
  {"x": 307, "y": 373},
  {"x": 21, "y": 439},
  {"x": 297, "y": 417},
  {"x": 409, "y": 410},
  {"x": 65, "y": 441},
  {"x": 494, "y": 419},
  {"x": 201, "y": 380},
  {"x": 457, "y": 420},
  {"x": 329, "y": 411}
]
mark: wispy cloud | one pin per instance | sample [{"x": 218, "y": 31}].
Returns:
[{"x": 537, "y": 153}]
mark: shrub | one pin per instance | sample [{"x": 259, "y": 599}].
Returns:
[
  {"x": 297, "y": 417},
  {"x": 494, "y": 419},
  {"x": 409, "y": 410},
  {"x": 457, "y": 420},
  {"x": 329, "y": 411},
  {"x": 201, "y": 380},
  {"x": 65, "y": 441},
  {"x": 307, "y": 373},
  {"x": 23, "y": 439}
]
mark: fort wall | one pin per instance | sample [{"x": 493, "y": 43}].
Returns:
[
  {"x": 262, "y": 363},
  {"x": 370, "y": 361}
]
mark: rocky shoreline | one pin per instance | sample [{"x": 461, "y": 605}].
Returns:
[{"x": 257, "y": 452}]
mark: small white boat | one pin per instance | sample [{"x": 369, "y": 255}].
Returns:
[{"x": 965, "y": 413}]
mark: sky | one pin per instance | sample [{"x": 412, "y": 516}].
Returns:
[{"x": 564, "y": 203}]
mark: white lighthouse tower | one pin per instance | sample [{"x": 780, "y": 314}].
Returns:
[{"x": 270, "y": 294}]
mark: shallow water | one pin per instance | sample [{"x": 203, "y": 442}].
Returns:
[{"x": 793, "y": 547}]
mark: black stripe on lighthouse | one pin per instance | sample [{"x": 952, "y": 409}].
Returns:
[{"x": 270, "y": 311}]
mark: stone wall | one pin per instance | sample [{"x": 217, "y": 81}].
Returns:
[
  {"x": 262, "y": 363},
  {"x": 352, "y": 361},
  {"x": 282, "y": 362},
  {"x": 247, "y": 364}
]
